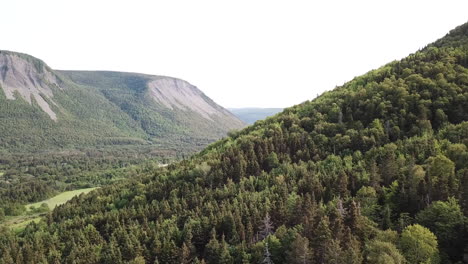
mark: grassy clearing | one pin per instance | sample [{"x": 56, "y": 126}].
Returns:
[
  {"x": 18, "y": 223},
  {"x": 59, "y": 199}
]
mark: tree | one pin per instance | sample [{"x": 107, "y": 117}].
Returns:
[
  {"x": 322, "y": 239},
  {"x": 185, "y": 254},
  {"x": 386, "y": 217},
  {"x": 354, "y": 217},
  {"x": 419, "y": 245},
  {"x": 441, "y": 173},
  {"x": 416, "y": 177},
  {"x": 138, "y": 260},
  {"x": 6, "y": 257},
  {"x": 374, "y": 176},
  {"x": 224, "y": 254},
  {"x": 380, "y": 252},
  {"x": 2, "y": 214},
  {"x": 389, "y": 167},
  {"x": 367, "y": 197},
  {"x": 333, "y": 252},
  {"x": 300, "y": 252},
  {"x": 445, "y": 220},
  {"x": 212, "y": 250},
  {"x": 271, "y": 161},
  {"x": 464, "y": 197},
  {"x": 266, "y": 228},
  {"x": 343, "y": 184},
  {"x": 111, "y": 252},
  {"x": 267, "y": 256}
]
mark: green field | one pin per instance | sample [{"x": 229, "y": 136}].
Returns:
[
  {"x": 59, "y": 199},
  {"x": 18, "y": 223},
  {"x": 21, "y": 222}
]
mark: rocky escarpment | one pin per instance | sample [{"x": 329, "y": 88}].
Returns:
[
  {"x": 172, "y": 92},
  {"x": 29, "y": 78},
  {"x": 174, "y": 100}
]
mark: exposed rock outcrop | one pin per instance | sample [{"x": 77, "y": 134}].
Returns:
[{"x": 32, "y": 81}]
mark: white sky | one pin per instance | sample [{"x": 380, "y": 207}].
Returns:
[{"x": 240, "y": 53}]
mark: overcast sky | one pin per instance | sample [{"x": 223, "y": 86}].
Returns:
[{"x": 240, "y": 53}]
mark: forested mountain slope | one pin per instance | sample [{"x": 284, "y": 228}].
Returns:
[
  {"x": 41, "y": 108},
  {"x": 375, "y": 171}
]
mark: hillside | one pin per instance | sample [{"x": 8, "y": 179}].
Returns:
[
  {"x": 44, "y": 109},
  {"x": 251, "y": 114},
  {"x": 375, "y": 171}
]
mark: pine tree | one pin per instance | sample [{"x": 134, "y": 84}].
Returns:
[
  {"x": 464, "y": 189},
  {"x": 212, "y": 249},
  {"x": 343, "y": 184},
  {"x": 224, "y": 254},
  {"x": 185, "y": 254},
  {"x": 6, "y": 257},
  {"x": 300, "y": 252},
  {"x": 353, "y": 218},
  {"x": 386, "y": 217},
  {"x": 374, "y": 176},
  {"x": 333, "y": 252},
  {"x": 322, "y": 239},
  {"x": 111, "y": 252}
]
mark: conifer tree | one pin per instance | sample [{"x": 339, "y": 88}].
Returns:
[{"x": 300, "y": 252}]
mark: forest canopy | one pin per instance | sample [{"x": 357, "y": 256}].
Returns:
[{"x": 375, "y": 171}]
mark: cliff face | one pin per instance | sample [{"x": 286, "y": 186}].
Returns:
[
  {"x": 174, "y": 101},
  {"x": 28, "y": 78},
  {"x": 180, "y": 94}
]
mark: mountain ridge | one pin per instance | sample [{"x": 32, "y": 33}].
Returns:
[{"x": 100, "y": 106}]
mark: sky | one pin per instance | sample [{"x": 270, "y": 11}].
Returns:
[{"x": 243, "y": 53}]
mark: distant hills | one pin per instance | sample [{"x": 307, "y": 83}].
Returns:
[
  {"x": 251, "y": 114},
  {"x": 42, "y": 108}
]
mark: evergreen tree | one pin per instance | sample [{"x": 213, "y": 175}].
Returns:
[{"x": 300, "y": 252}]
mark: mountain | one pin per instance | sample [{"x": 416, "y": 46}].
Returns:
[
  {"x": 251, "y": 114},
  {"x": 374, "y": 171},
  {"x": 41, "y": 108}
]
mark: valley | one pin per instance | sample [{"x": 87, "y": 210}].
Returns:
[
  {"x": 68, "y": 130},
  {"x": 373, "y": 171}
]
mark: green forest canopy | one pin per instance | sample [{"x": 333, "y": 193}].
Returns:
[{"x": 375, "y": 171}]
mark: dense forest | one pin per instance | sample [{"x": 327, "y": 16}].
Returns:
[
  {"x": 27, "y": 178},
  {"x": 66, "y": 130},
  {"x": 375, "y": 171}
]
